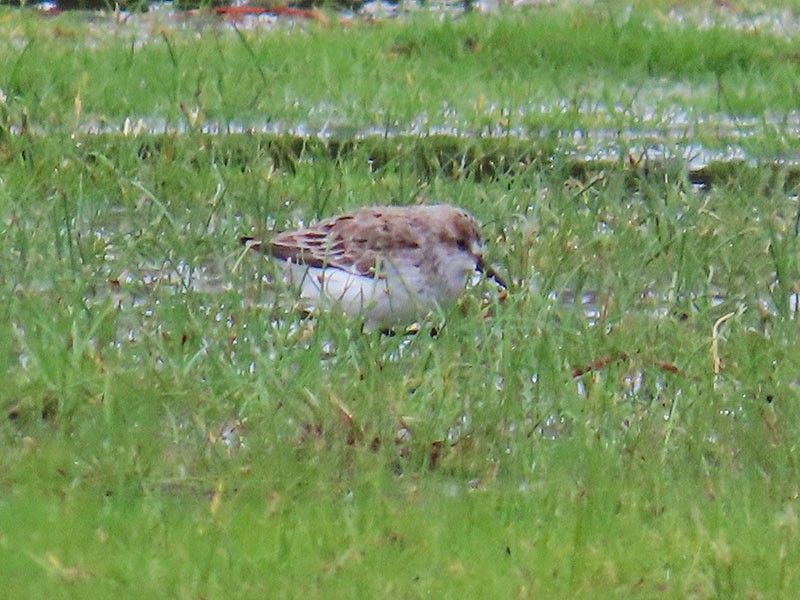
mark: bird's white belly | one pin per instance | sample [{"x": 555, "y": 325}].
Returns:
[{"x": 385, "y": 301}]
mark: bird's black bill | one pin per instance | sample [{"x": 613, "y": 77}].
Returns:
[{"x": 492, "y": 274}]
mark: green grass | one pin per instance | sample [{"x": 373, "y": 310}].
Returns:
[
  {"x": 538, "y": 70},
  {"x": 135, "y": 337}
]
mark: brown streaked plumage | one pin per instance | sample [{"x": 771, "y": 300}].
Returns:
[{"x": 389, "y": 264}]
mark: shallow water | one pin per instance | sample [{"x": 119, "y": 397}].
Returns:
[
  {"x": 668, "y": 141},
  {"x": 764, "y": 20},
  {"x": 658, "y": 119}
]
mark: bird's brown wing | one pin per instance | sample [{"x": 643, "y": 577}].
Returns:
[{"x": 354, "y": 242}]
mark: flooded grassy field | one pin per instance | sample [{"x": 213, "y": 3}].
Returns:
[{"x": 622, "y": 422}]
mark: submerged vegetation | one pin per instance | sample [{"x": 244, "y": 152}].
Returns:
[{"x": 622, "y": 423}]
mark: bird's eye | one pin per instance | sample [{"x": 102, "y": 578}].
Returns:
[{"x": 462, "y": 245}]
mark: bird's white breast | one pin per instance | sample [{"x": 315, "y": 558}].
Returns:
[{"x": 398, "y": 295}]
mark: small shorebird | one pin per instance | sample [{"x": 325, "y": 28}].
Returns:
[{"x": 390, "y": 265}]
